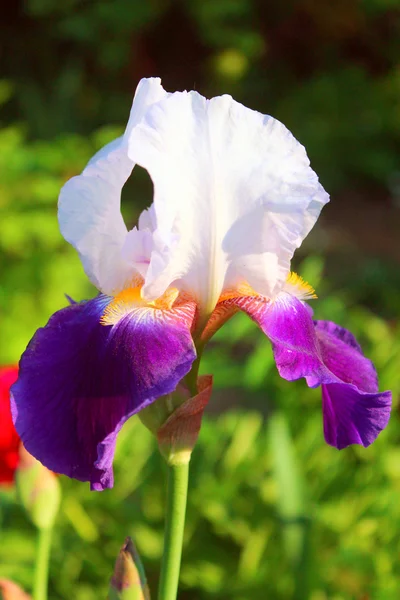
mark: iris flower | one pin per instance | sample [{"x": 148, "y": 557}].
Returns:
[{"x": 234, "y": 196}]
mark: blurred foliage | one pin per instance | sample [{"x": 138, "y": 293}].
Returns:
[{"x": 273, "y": 511}]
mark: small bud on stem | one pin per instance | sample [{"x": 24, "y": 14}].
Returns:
[
  {"x": 38, "y": 490},
  {"x": 11, "y": 591},
  {"x": 129, "y": 580}
]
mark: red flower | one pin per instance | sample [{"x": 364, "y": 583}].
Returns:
[{"x": 9, "y": 440}]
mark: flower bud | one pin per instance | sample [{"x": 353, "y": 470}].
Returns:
[
  {"x": 38, "y": 490},
  {"x": 129, "y": 580},
  {"x": 11, "y": 591}
]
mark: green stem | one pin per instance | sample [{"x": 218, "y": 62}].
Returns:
[
  {"x": 178, "y": 477},
  {"x": 42, "y": 564},
  {"x": 191, "y": 377}
]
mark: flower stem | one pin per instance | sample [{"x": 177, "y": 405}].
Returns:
[
  {"x": 42, "y": 564},
  {"x": 178, "y": 477}
]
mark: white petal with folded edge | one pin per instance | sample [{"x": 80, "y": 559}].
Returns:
[
  {"x": 233, "y": 190},
  {"x": 90, "y": 204}
]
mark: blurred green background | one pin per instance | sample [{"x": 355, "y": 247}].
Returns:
[{"x": 273, "y": 512}]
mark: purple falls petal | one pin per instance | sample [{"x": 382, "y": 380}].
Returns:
[
  {"x": 353, "y": 417},
  {"x": 288, "y": 324},
  {"x": 342, "y": 355},
  {"x": 354, "y": 411},
  {"x": 325, "y": 354},
  {"x": 80, "y": 381}
]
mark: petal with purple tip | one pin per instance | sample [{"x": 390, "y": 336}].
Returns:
[
  {"x": 354, "y": 411},
  {"x": 80, "y": 381},
  {"x": 342, "y": 355},
  {"x": 288, "y": 324},
  {"x": 325, "y": 354},
  {"x": 352, "y": 416}
]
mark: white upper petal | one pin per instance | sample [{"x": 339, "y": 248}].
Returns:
[
  {"x": 234, "y": 195},
  {"x": 89, "y": 209}
]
